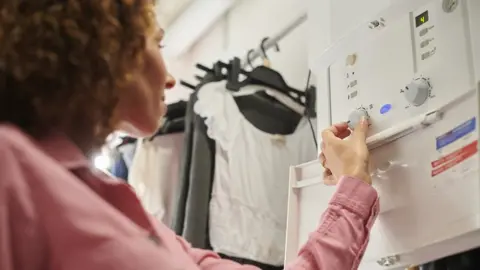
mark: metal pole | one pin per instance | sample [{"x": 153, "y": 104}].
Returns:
[{"x": 274, "y": 40}]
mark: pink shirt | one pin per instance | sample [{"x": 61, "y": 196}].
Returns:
[{"x": 57, "y": 212}]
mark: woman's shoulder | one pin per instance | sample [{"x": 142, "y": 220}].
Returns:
[
  {"x": 17, "y": 170},
  {"x": 21, "y": 156},
  {"x": 52, "y": 149},
  {"x": 13, "y": 142}
]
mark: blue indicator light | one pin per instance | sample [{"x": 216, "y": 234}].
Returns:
[{"x": 385, "y": 108}]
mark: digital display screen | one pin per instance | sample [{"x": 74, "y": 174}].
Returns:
[{"x": 421, "y": 19}]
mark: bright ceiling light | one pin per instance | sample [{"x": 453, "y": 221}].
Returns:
[
  {"x": 102, "y": 162},
  {"x": 198, "y": 17}
]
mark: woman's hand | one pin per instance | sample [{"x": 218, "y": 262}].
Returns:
[{"x": 342, "y": 156}]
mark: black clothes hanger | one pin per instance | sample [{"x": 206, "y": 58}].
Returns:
[
  {"x": 187, "y": 84},
  {"x": 261, "y": 109},
  {"x": 126, "y": 140},
  {"x": 270, "y": 78},
  {"x": 264, "y": 76},
  {"x": 260, "y": 75},
  {"x": 216, "y": 74},
  {"x": 249, "y": 59}
]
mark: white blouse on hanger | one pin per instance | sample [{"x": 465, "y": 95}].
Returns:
[
  {"x": 248, "y": 208},
  {"x": 154, "y": 173}
]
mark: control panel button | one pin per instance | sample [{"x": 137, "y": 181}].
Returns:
[
  {"x": 417, "y": 92},
  {"x": 385, "y": 108},
  {"x": 355, "y": 117},
  {"x": 423, "y": 32},
  {"x": 351, "y": 59}
]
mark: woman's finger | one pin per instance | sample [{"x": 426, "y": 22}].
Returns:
[
  {"x": 328, "y": 178},
  {"x": 344, "y": 134},
  {"x": 327, "y": 172},
  {"x": 338, "y": 127},
  {"x": 322, "y": 156},
  {"x": 361, "y": 130},
  {"x": 333, "y": 131},
  {"x": 323, "y": 161}
]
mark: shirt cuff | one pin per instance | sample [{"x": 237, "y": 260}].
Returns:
[{"x": 356, "y": 195}]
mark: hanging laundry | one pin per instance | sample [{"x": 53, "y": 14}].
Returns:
[
  {"x": 154, "y": 173},
  {"x": 248, "y": 207}
]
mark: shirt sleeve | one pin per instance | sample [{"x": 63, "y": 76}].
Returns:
[
  {"x": 338, "y": 243},
  {"x": 342, "y": 236}
]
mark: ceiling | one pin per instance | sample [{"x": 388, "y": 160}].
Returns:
[{"x": 169, "y": 10}]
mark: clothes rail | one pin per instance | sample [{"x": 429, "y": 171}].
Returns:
[{"x": 271, "y": 42}]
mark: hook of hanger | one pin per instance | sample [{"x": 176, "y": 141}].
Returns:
[
  {"x": 264, "y": 50},
  {"x": 249, "y": 59},
  {"x": 266, "y": 61}
]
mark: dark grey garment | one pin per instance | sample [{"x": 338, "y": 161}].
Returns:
[
  {"x": 195, "y": 228},
  {"x": 193, "y": 193},
  {"x": 181, "y": 191}
]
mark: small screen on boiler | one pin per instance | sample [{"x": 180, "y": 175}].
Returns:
[{"x": 421, "y": 19}]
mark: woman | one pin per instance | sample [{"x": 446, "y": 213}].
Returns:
[{"x": 73, "y": 71}]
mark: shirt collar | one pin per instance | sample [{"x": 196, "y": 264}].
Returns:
[{"x": 62, "y": 149}]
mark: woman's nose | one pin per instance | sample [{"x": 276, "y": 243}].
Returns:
[{"x": 170, "y": 82}]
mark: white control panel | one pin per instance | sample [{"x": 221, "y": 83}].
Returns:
[
  {"x": 414, "y": 70},
  {"x": 420, "y": 61}
]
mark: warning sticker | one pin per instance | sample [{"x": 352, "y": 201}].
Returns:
[
  {"x": 446, "y": 162},
  {"x": 457, "y": 133}
]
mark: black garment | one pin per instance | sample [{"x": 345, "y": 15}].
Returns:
[
  {"x": 250, "y": 262},
  {"x": 469, "y": 260},
  {"x": 267, "y": 114},
  {"x": 176, "y": 110},
  {"x": 174, "y": 119},
  {"x": 170, "y": 126}
]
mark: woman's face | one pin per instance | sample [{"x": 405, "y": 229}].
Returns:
[{"x": 142, "y": 105}]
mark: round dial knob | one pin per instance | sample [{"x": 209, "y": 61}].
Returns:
[
  {"x": 355, "y": 117},
  {"x": 417, "y": 92}
]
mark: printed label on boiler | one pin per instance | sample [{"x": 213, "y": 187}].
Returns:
[
  {"x": 457, "y": 133},
  {"x": 451, "y": 160}
]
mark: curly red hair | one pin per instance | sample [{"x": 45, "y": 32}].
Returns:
[{"x": 63, "y": 62}]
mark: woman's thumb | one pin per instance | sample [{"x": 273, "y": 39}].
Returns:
[{"x": 361, "y": 130}]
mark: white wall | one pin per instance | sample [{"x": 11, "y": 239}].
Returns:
[{"x": 241, "y": 29}]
